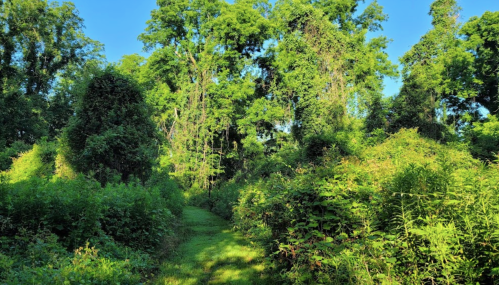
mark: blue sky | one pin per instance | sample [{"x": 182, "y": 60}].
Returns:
[{"x": 117, "y": 23}]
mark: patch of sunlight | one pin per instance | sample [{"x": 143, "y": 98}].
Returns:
[
  {"x": 179, "y": 275},
  {"x": 228, "y": 275},
  {"x": 182, "y": 281},
  {"x": 213, "y": 254}
]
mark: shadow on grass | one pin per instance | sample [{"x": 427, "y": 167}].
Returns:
[{"x": 213, "y": 254}]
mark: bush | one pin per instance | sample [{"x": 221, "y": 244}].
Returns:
[
  {"x": 317, "y": 145},
  {"x": 38, "y": 162},
  {"x": 407, "y": 211},
  {"x": 169, "y": 191},
  {"x": 114, "y": 229},
  {"x": 224, "y": 198},
  {"x": 79, "y": 210},
  {"x": 12, "y": 152},
  {"x": 44, "y": 261},
  {"x": 343, "y": 142},
  {"x": 484, "y": 139}
]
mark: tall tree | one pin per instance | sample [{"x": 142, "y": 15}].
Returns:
[
  {"x": 325, "y": 68},
  {"x": 38, "y": 42},
  {"x": 482, "y": 41},
  {"x": 202, "y": 66},
  {"x": 112, "y": 133},
  {"x": 226, "y": 80},
  {"x": 436, "y": 76}
]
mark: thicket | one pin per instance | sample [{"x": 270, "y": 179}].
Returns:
[
  {"x": 78, "y": 210},
  {"x": 407, "y": 211},
  {"x": 115, "y": 231}
]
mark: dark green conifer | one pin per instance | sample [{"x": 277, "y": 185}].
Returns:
[{"x": 111, "y": 133}]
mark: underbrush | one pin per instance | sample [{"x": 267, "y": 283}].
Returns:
[
  {"x": 407, "y": 211},
  {"x": 74, "y": 231},
  {"x": 77, "y": 210},
  {"x": 7, "y": 154},
  {"x": 290, "y": 157}
]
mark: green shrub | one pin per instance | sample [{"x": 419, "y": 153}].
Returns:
[
  {"x": 38, "y": 162},
  {"x": 289, "y": 157},
  {"x": 224, "y": 198},
  {"x": 46, "y": 262},
  {"x": 169, "y": 191},
  {"x": 135, "y": 216},
  {"x": 317, "y": 145},
  {"x": 196, "y": 196},
  {"x": 112, "y": 133},
  {"x": 344, "y": 142},
  {"x": 407, "y": 211},
  {"x": 484, "y": 139},
  {"x": 42, "y": 221},
  {"x": 77, "y": 210},
  {"x": 12, "y": 152}
]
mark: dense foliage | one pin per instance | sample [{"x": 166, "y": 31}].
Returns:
[
  {"x": 111, "y": 133},
  {"x": 226, "y": 78},
  {"x": 41, "y": 42},
  {"x": 271, "y": 116},
  {"x": 407, "y": 211},
  {"x": 114, "y": 230}
]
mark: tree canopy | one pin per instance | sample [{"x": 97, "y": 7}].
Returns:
[{"x": 40, "y": 42}]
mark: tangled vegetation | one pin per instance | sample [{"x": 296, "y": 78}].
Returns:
[
  {"x": 59, "y": 230},
  {"x": 407, "y": 211},
  {"x": 270, "y": 115}
]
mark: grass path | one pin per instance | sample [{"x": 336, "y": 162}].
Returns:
[{"x": 212, "y": 254}]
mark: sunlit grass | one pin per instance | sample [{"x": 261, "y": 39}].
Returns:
[{"x": 213, "y": 254}]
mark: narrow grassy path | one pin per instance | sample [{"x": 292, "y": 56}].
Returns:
[{"x": 212, "y": 254}]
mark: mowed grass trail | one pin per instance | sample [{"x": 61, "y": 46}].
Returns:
[{"x": 212, "y": 254}]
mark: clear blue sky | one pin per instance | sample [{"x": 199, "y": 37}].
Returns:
[{"x": 117, "y": 23}]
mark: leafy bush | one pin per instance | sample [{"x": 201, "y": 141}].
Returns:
[
  {"x": 169, "y": 191},
  {"x": 224, "y": 198},
  {"x": 484, "y": 139},
  {"x": 38, "y": 162},
  {"x": 44, "y": 261},
  {"x": 317, "y": 145},
  {"x": 42, "y": 220},
  {"x": 78, "y": 210},
  {"x": 289, "y": 157},
  {"x": 344, "y": 142},
  {"x": 407, "y": 211},
  {"x": 7, "y": 154}
]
